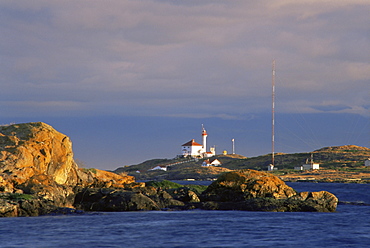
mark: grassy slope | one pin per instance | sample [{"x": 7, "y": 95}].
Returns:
[{"x": 337, "y": 158}]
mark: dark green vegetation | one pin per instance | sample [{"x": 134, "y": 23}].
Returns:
[
  {"x": 165, "y": 184},
  {"x": 345, "y": 158},
  {"x": 16, "y": 197},
  {"x": 92, "y": 170}
]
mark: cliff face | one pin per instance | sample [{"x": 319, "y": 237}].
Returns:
[
  {"x": 32, "y": 149},
  {"x": 37, "y": 160}
]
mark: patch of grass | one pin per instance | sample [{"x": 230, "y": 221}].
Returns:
[
  {"x": 92, "y": 170},
  {"x": 197, "y": 189},
  {"x": 171, "y": 186},
  {"x": 17, "y": 197},
  {"x": 165, "y": 184}
]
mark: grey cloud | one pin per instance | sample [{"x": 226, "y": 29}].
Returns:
[
  {"x": 156, "y": 55},
  {"x": 330, "y": 108}
]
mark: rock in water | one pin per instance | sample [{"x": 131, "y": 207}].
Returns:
[
  {"x": 38, "y": 172},
  {"x": 38, "y": 175},
  {"x": 261, "y": 191},
  {"x": 246, "y": 184}
]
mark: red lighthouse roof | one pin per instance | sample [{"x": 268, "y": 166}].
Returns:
[{"x": 192, "y": 143}]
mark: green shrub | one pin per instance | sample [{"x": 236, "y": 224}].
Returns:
[
  {"x": 17, "y": 197},
  {"x": 165, "y": 184},
  {"x": 92, "y": 170},
  {"x": 197, "y": 189}
]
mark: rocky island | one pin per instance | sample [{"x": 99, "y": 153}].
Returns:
[{"x": 38, "y": 176}]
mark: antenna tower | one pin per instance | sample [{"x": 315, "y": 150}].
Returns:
[{"x": 273, "y": 114}]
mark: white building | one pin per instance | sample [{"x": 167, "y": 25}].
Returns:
[
  {"x": 216, "y": 162},
  {"x": 211, "y": 153},
  {"x": 207, "y": 162},
  {"x": 311, "y": 166},
  {"x": 194, "y": 149},
  {"x": 308, "y": 166},
  {"x": 158, "y": 167}
]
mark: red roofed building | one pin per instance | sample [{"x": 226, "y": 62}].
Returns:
[{"x": 194, "y": 149}]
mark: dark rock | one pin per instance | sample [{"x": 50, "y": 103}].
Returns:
[
  {"x": 267, "y": 205},
  {"x": 147, "y": 198},
  {"x": 8, "y": 209},
  {"x": 113, "y": 200},
  {"x": 14, "y": 205},
  {"x": 184, "y": 194},
  {"x": 66, "y": 211}
]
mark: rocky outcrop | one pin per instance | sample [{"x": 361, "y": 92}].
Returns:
[
  {"x": 184, "y": 194},
  {"x": 246, "y": 190},
  {"x": 136, "y": 199},
  {"x": 260, "y": 191},
  {"x": 246, "y": 184},
  {"x": 33, "y": 149},
  {"x": 36, "y": 160},
  {"x": 38, "y": 175}
]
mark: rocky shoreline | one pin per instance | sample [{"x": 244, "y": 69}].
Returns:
[
  {"x": 38, "y": 176},
  {"x": 327, "y": 176}
]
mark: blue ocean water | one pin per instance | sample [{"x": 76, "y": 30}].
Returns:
[{"x": 348, "y": 227}]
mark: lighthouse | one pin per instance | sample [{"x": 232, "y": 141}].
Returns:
[
  {"x": 194, "y": 149},
  {"x": 204, "y": 138}
]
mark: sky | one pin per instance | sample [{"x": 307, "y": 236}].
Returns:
[{"x": 129, "y": 80}]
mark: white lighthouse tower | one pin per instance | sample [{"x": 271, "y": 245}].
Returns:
[{"x": 204, "y": 138}]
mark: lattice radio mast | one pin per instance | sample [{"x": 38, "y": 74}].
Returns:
[{"x": 273, "y": 115}]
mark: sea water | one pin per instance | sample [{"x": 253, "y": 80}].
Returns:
[{"x": 348, "y": 227}]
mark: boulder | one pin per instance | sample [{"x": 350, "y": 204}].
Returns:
[
  {"x": 161, "y": 197},
  {"x": 125, "y": 200},
  {"x": 103, "y": 179},
  {"x": 261, "y": 191},
  {"x": 37, "y": 160},
  {"x": 93, "y": 199},
  {"x": 184, "y": 194},
  {"x": 14, "y": 205},
  {"x": 36, "y": 148},
  {"x": 246, "y": 184}
]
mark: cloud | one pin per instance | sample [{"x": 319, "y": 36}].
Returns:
[
  {"x": 183, "y": 58},
  {"x": 330, "y": 108}
]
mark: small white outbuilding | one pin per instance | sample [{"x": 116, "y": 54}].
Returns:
[
  {"x": 158, "y": 167},
  {"x": 308, "y": 165},
  {"x": 216, "y": 162},
  {"x": 207, "y": 162}
]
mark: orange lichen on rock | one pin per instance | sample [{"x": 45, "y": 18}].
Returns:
[{"x": 252, "y": 184}]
